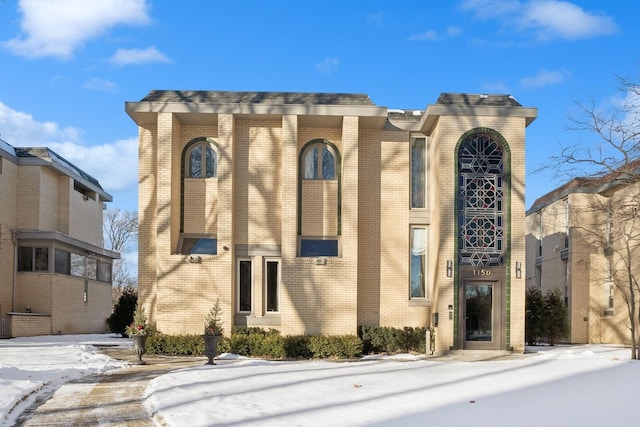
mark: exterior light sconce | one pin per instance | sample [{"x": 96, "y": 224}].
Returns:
[
  {"x": 449, "y": 268},
  {"x": 194, "y": 259},
  {"x": 518, "y": 269}
]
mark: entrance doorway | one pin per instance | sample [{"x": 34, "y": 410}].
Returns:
[{"x": 481, "y": 320}]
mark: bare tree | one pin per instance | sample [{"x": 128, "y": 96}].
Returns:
[
  {"x": 611, "y": 166},
  {"x": 120, "y": 231}
]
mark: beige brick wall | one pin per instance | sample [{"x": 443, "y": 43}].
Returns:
[
  {"x": 584, "y": 271},
  {"x": 255, "y": 206},
  {"x": 8, "y": 196},
  {"x": 30, "y": 325}
]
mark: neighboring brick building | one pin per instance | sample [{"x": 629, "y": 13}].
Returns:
[
  {"x": 574, "y": 237},
  {"x": 55, "y": 275},
  {"x": 315, "y": 213}
]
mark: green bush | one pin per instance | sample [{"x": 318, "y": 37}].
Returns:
[
  {"x": 255, "y": 342},
  {"x": 534, "y": 316},
  {"x": 546, "y": 316},
  {"x": 122, "y": 315},
  {"x": 175, "y": 345},
  {"x": 382, "y": 339}
]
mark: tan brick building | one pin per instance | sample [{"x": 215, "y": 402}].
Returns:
[
  {"x": 315, "y": 213},
  {"x": 575, "y": 234},
  {"x": 55, "y": 275}
]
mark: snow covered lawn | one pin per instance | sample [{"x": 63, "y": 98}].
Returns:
[
  {"x": 560, "y": 386},
  {"x": 36, "y": 365}
]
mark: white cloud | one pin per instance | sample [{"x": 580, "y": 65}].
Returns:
[
  {"x": 432, "y": 35},
  {"x": 453, "y": 31},
  {"x": 375, "y": 19},
  {"x": 328, "y": 66},
  {"x": 138, "y": 56},
  {"x": 428, "y": 35},
  {"x": 115, "y": 164},
  {"x": 560, "y": 19},
  {"x": 486, "y": 9},
  {"x": 21, "y": 129},
  {"x": 545, "y": 78},
  {"x": 100, "y": 85},
  {"x": 58, "y": 27},
  {"x": 547, "y": 19}
]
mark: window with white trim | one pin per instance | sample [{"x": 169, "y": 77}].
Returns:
[{"x": 418, "y": 256}]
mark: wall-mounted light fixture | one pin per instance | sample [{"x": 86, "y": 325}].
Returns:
[
  {"x": 449, "y": 268},
  {"x": 518, "y": 269},
  {"x": 195, "y": 259}
]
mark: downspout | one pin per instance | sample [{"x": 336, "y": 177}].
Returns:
[{"x": 14, "y": 241}]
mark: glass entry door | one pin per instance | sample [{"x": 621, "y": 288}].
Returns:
[{"x": 482, "y": 313}]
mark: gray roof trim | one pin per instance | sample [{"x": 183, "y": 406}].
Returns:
[
  {"x": 266, "y": 98},
  {"x": 433, "y": 112},
  {"x": 146, "y": 112},
  {"x": 8, "y": 150},
  {"x": 70, "y": 241},
  {"x": 42, "y": 156}
]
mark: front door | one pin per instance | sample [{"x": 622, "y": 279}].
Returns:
[{"x": 481, "y": 315}]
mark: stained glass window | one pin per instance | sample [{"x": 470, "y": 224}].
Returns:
[
  {"x": 319, "y": 162},
  {"x": 481, "y": 201}
]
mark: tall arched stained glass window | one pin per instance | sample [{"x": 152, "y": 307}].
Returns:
[{"x": 481, "y": 194}]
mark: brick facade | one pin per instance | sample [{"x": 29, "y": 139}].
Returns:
[
  {"x": 567, "y": 250},
  {"x": 52, "y": 207},
  {"x": 259, "y": 208}
]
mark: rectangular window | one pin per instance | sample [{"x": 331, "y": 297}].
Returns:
[
  {"x": 245, "y": 283},
  {"x": 62, "y": 262},
  {"x": 418, "y": 173},
  {"x": 91, "y": 267},
  {"x": 41, "y": 259},
  {"x": 104, "y": 271},
  {"x": 33, "y": 259},
  {"x": 318, "y": 247},
  {"x": 198, "y": 246},
  {"x": 418, "y": 262},
  {"x": 77, "y": 265},
  {"x": 25, "y": 259},
  {"x": 272, "y": 281}
]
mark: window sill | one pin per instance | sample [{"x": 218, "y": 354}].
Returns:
[
  {"x": 246, "y": 319},
  {"x": 419, "y": 302}
]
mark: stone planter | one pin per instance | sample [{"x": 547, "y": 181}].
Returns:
[
  {"x": 211, "y": 347},
  {"x": 139, "y": 342}
]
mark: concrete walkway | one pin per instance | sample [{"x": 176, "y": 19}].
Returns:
[{"x": 114, "y": 398}]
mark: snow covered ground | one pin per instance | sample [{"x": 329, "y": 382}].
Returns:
[
  {"x": 37, "y": 365},
  {"x": 559, "y": 386}
]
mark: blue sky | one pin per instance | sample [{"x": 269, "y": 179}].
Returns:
[{"x": 68, "y": 66}]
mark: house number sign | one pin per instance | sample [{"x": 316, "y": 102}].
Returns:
[{"x": 481, "y": 272}]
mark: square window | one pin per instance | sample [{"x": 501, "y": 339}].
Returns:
[{"x": 318, "y": 247}]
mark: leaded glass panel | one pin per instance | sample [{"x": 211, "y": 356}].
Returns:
[{"x": 481, "y": 201}]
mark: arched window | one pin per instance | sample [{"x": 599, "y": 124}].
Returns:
[
  {"x": 481, "y": 200},
  {"x": 319, "y": 162},
  {"x": 319, "y": 203},
  {"x": 201, "y": 160}
]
